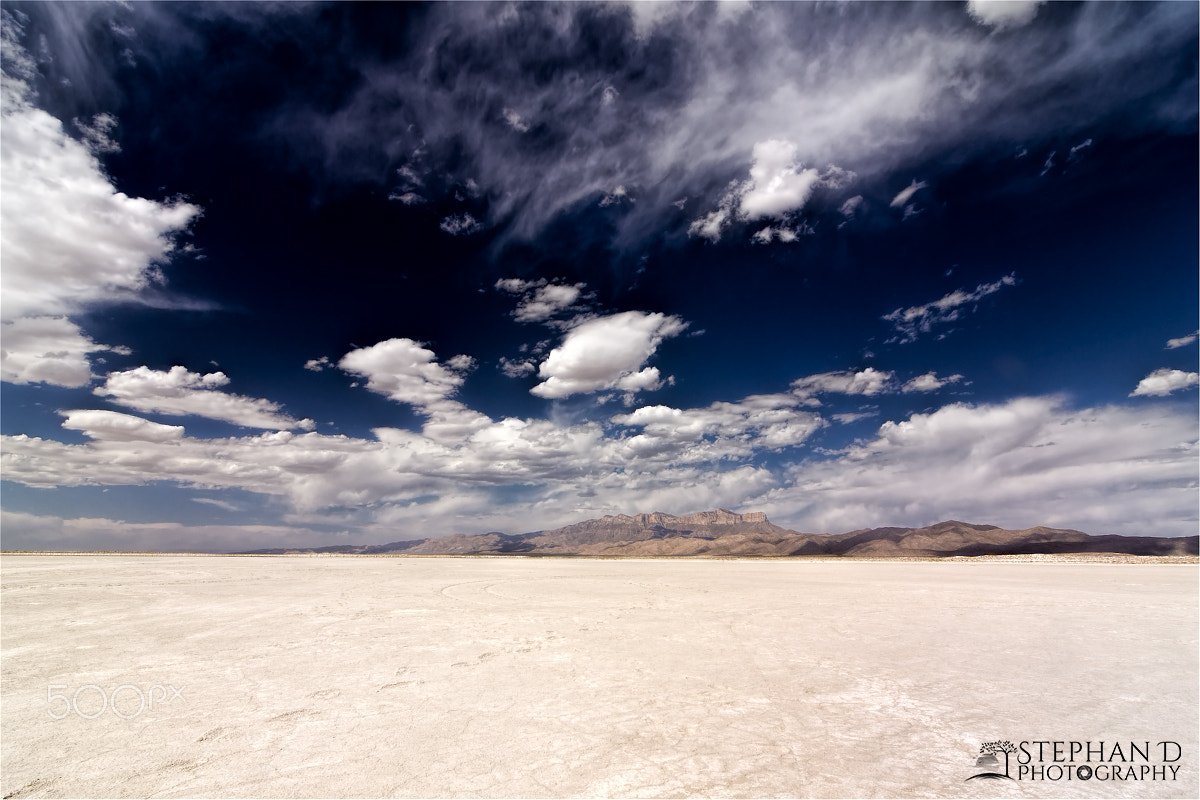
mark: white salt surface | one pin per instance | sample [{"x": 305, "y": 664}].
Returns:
[{"x": 515, "y": 677}]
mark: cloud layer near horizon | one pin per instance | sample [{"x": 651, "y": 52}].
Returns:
[{"x": 1031, "y": 458}]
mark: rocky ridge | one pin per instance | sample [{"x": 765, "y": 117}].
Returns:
[{"x": 725, "y": 533}]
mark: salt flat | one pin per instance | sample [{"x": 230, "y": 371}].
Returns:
[{"x": 513, "y": 677}]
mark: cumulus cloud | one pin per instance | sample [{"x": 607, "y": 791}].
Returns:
[
  {"x": 1004, "y": 13},
  {"x": 50, "y": 350},
  {"x": 910, "y": 323},
  {"x": 179, "y": 392},
  {"x": 720, "y": 431},
  {"x": 1182, "y": 341},
  {"x": 930, "y": 382},
  {"x": 541, "y": 300},
  {"x": 404, "y": 371},
  {"x": 461, "y": 363},
  {"x": 1162, "y": 382},
  {"x": 868, "y": 381},
  {"x": 69, "y": 237},
  {"x": 606, "y": 353},
  {"x": 1025, "y": 462},
  {"x": 317, "y": 364},
  {"x": 778, "y": 186}
]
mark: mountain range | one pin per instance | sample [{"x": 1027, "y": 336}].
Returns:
[{"x": 724, "y": 533}]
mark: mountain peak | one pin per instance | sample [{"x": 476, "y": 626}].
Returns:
[{"x": 723, "y": 516}]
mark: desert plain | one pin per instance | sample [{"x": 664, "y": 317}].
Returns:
[{"x": 326, "y": 676}]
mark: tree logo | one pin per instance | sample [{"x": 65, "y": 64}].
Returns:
[{"x": 987, "y": 759}]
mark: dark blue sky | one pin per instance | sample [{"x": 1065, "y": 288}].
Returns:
[{"x": 292, "y": 275}]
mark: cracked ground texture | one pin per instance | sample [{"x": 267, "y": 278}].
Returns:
[{"x": 303, "y": 676}]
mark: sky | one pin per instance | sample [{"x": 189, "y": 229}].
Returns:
[{"x": 285, "y": 275}]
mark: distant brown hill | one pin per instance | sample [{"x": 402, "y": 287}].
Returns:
[{"x": 724, "y": 533}]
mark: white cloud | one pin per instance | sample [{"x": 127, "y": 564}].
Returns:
[
  {"x": 1026, "y": 462},
  {"x": 96, "y": 134},
  {"x": 781, "y": 234},
  {"x": 543, "y": 302},
  {"x": 602, "y": 352},
  {"x": 515, "y": 121},
  {"x": 518, "y": 285},
  {"x": 49, "y": 350},
  {"x": 778, "y": 186},
  {"x": 179, "y": 392},
  {"x": 904, "y": 195},
  {"x": 404, "y": 371},
  {"x": 851, "y": 206},
  {"x": 517, "y": 368},
  {"x": 461, "y": 363},
  {"x": 408, "y": 198},
  {"x": 68, "y": 236},
  {"x": 711, "y": 225},
  {"x": 849, "y": 91},
  {"x": 910, "y": 323},
  {"x": 853, "y": 416},
  {"x": 869, "y": 381},
  {"x": 317, "y": 364},
  {"x": 615, "y": 196},
  {"x": 720, "y": 431},
  {"x": 460, "y": 225},
  {"x": 930, "y": 382},
  {"x": 1182, "y": 341},
  {"x": 1162, "y": 382},
  {"x": 112, "y": 426},
  {"x": 1029, "y": 461},
  {"x": 1003, "y": 13}
]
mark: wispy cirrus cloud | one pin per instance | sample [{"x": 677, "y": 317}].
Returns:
[
  {"x": 1182, "y": 341},
  {"x": 685, "y": 101},
  {"x": 911, "y": 323}
]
